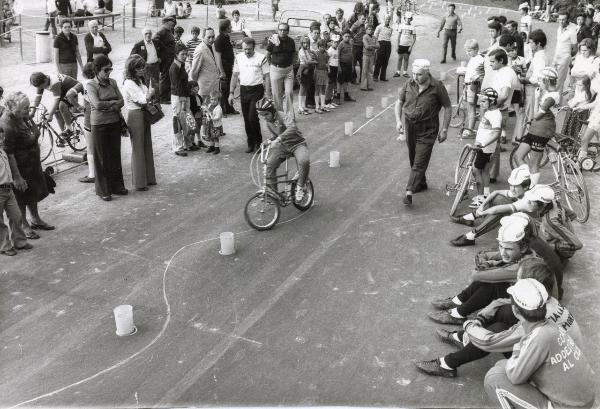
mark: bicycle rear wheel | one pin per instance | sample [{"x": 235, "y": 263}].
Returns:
[
  {"x": 262, "y": 211},
  {"x": 512, "y": 160},
  {"x": 308, "y": 199},
  {"x": 575, "y": 190},
  {"x": 462, "y": 177},
  {"x": 46, "y": 142},
  {"x": 459, "y": 114},
  {"x": 77, "y": 140}
]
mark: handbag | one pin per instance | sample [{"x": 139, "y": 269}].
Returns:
[{"x": 154, "y": 111}]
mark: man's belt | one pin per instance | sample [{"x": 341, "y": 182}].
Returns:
[
  {"x": 6, "y": 186},
  {"x": 281, "y": 65}
]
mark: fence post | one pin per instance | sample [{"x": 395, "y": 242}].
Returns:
[
  {"x": 21, "y": 36},
  {"x": 1, "y": 25},
  {"x": 123, "y": 17},
  {"x": 133, "y": 14}
]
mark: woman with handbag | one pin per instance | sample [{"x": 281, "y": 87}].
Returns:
[
  {"x": 106, "y": 102},
  {"x": 137, "y": 97}
]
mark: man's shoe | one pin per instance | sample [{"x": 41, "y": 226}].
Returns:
[
  {"x": 122, "y": 192},
  {"x": 448, "y": 337},
  {"x": 210, "y": 149},
  {"x": 407, "y": 200},
  {"x": 461, "y": 220},
  {"x": 250, "y": 149},
  {"x": 444, "y": 317},
  {"x": 107, "y": 198},
  {"x": 434, "y": 368},
  {"x": 87, "y": 179},
  {"x": 443, "y": 62},
  {"x": 421, "y": 188},
  {"x": 444, "y": 303},
  {"x": 194, "y": 148},
  {"x": 25, "y": 246},
  {"x": 383, "y": 79},
  {"x": 397, "y": 74},
  {"x": 216, "y": 151},
  {"x": 180, "y": 153},
  {"x": 349, "y": 98},
  {"x": 9, "y": 252},
  {"x": 462, "y": 241}
]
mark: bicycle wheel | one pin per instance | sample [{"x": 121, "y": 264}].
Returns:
[
  {"x": 463, "y": 176},
  {"x": 77, "y": 140},
  {"x": 575, "y": 190},
  {"x": 459, "y": 114},
  {"x": 262, "y": 211},
  {"x": 461, "y": 163},
  {"x": 46, "y": 142},
  {"x": 512, "y": 160},
  {"x": 308, "y": 199}
]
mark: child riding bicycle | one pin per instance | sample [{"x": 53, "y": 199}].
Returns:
[{"x": 287, "y": 141}]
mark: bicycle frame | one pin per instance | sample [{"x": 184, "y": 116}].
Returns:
[{"x": 285, "y": 197}]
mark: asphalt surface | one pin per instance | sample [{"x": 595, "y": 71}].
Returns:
[{"x": 328, "y": 308}]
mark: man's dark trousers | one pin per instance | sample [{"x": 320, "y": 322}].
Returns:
[
  {"x": 165, "y": 81},
  {"x": 383, "y": 57},
  {"x": 449, "y": 35},
  {"x": 420, "y": 138},
  {"x": 248, "y": 97}
]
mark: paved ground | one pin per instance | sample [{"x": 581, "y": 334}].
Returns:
[{"x": 329, "y": 308}]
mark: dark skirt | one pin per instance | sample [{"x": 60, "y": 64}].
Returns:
[{"x": 30, "y": 167}]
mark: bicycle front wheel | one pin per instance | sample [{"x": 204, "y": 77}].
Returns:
[
  {"x": 308, "y": 199},
  {"x": 262, "y": 211},
  {"x": 77, "y": 140},
  {"x": 46, "y": 142},
  {"x": 459, "y": 114},
  {"x": 575, "y": 190},
  {"x": 462, "y": 178}
]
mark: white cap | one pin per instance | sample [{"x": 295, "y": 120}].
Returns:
[
  {"x": 528, "y": 294},
  {"x": 512, "y": 232},
  {"x": 421, "y": 64},
  {"x": 519, "y": 175},
  {"x": 519, "y": 218},
  {"x": 523, "y": 5},
  {"x": 540, "y": 193}
]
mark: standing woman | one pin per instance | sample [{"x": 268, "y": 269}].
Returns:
[
  {"x": 95, "y": 42},
  {"x": 137, "y": 95},
  {"x": 66, "y": 51},
  {"x": 21, "y": 146},
  {"x": 106, "y": 102}
]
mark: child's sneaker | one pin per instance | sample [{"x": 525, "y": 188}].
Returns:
[
  {"x": 477, "y": 201},
  {"x": 397, "y": 74}
]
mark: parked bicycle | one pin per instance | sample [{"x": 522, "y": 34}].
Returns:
[
  {"x": 49, "y": 136},
  {"x": 459, "y": 112},
  {"x": 262, "y": 210},
  {"x": 463, "y": 176}
]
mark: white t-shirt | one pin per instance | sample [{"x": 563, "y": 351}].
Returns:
[
  {"x": 488, "y": 126},
  {"x": 251, "y": 69},
  {"x": 406, "y": 35},
  {"x": 474, "y": 68},
  {"x": 170, "y": 9},
  {"x": 503, "y": 78},
  {"x": 565, "y": 38},
  {"x": 333, "y": 57},
  {"x": 526, "y": 22}
]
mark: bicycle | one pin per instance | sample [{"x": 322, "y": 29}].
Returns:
[
  {"x": 463, "y": 176},
  {"x": 459, "y": 112},
  {"x": 570, "y": 182},
  {"x": 262, "y": 210},
  {"x": 49, "y": 136}
]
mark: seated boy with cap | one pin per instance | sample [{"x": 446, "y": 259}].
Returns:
[{"x": 547, "y": 368}]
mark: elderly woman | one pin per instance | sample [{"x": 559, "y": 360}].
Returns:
[
  {"x": 95, "y": 42},
  {"x": 106, "y": 102},
  {"x": 20, "y": 142},
  {"x": 137, "y": 95}
]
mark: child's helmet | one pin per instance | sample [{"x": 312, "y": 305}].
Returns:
[
  {"x": 550, "y": 73},
  {"x": 490, "y": 94},
  {"x": 265, "y": 104}
]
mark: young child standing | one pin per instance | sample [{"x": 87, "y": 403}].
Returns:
[
  {"x": 191, "y": 46},
  {"x": 345, "y": 68},
  {"x": 334, "y": 64},
  {"x": 473, "y": 76},
  {"x": 370, "y": 46},
  {"x": 196, "y": 110},
  {"x": 407, "y": 36},
  {"x": 321, "y": 77},
  {"x": 305, "y": 73},
  {"x": 543, "y": 124},
  {"x": 178, "y": 32},
  {"x": 213, "y": 123},
  {"x": 487, "y": 137},
  {"x": 526, "y": 20}
]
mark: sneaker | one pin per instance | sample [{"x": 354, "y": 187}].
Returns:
[
  {"x": 444, "y": 317},
  {"x": 407, "y": 200},
  {"x": 405, "y": 74},
  {"x": 449, "y": 337},
  {"x": 318, "y": 111},
  {"x": 444, "y": 303},
  {"x": 477, "y": 201},
  {"x": 462, "y": 241},
  {"x": 434, "y": 368},
  {"x": 397, "y": 74},
  {"x": 299, "y": 194}
]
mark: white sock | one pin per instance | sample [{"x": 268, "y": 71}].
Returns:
[
  {"x": 444, "y": 365},
  {"x": 456, "y": 301},
  {"x": 470, "y": 235},
  {"x": 469, "y": 216},
  {"x": 503, "y": 134},
  {"x": 455, "y": 314},
  {"x": 455, "y": 336},
  {"x": 486, "y": 191},
  {"x": 322, "y": 100},
  {"x": 535, "y": 178}
]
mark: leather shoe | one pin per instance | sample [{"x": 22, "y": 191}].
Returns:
[
  {"x": 407, "y": 200},
  {"x": 448, "y": 337},
  {"x": 44, "y": 226},
  {"x": 443, "y": 62},
  {"x": 107, "y": 198},
  {"x": 444, "y": 317},
  {"x": 461, "y": 220},
  {"x": 25, "y": 246},
  {"x": 462, "y": 241},
  {"x": 434, "y": 368},
  {"x": 87, "y": 179},
  {"x": 443, "y": 303},
  {"x": 121, "y": 192},
  {"x": 194, "y": 148},
  {"x": 9, "y": 252},
  {"x": 180, "y": 153}
]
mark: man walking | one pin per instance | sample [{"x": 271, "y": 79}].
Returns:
[
  {"x": 420, "y": 100},
  {"x": 148, "y": 49},
  {"x": 166, "y": 43},
  {"x": 252, "y": 71},
  {"x": 451, "y": 25}
]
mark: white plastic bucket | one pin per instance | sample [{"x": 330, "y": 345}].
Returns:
[
  {"x": 385, "y": 102},
  {"x": 369, "y": 112},
  {"x": 348, "y": 128},
  {"x": 443, "y": 76},
  {"x": 334, "y": 159},
  {"x": 227, "y": 243},
  {"x": 124, "y": 320}
]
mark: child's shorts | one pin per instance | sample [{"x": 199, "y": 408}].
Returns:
[
  {"x": 472, "y": 91},
  {"x": 517, "y": 98},
  {"x": 404, "y": 49},
  {"x": 537, "y": 143},
  {"x": 481, "y": 159},
  {"x": 333, "y": 73}
]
